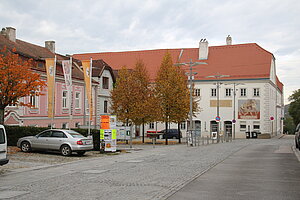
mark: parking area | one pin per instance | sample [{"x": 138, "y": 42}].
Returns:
[{"x": 19, "y": 161}]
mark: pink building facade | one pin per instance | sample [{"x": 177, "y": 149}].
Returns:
[{"x": 38, "y": 115}]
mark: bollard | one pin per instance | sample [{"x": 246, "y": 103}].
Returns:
[
  {"x": 207, "y": 140},
  {"x": 202, "y": 140}
]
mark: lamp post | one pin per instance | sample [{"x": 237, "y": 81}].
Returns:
[
  {"x": 190, "y": 74},
  {"x": 218, "y": 76},
  {"x": 234, "y": 95}
]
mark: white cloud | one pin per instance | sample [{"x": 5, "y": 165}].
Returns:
[{"x": 98, "y": 25}]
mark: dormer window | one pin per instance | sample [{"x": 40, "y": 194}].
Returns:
[{"x": 105, "y": 82}]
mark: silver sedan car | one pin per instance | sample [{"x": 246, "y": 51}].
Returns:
[{"x": 65, "y": 141}]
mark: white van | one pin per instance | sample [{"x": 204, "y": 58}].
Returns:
[{"x": 3, "y": 146}]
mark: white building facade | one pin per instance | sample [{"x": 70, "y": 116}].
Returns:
[{"x": 249, "y": 96}]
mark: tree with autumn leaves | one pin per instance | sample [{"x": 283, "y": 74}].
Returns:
[
  {"x": 173, "y": 94},
  {"x": 132, "y": 97},
  {"x": 137, "y": 100},
  {"x": 17, "y": 80}
]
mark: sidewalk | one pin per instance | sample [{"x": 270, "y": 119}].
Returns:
[{"x": 260, "y": 171}]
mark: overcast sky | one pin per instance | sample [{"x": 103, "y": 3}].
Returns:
[{"x": 81, "y": 26}]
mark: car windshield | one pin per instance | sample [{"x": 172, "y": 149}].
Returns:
[{"x": 74, "y": 134}]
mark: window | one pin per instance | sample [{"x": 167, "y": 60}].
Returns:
[
  {"x": 243, "y": 92},
  {"x": 105, "y": 82},
  {"x": 151, "y": 125},
  {"x": 256, "y": 126},
  {"x": 243, "y": 126},
  {"x": 77, "y": 99},
  {"x": 197, "y": 92},
  {"x": 105, "y": 107},
  {"x": 64, "y": 99},
  {"x": 12, "y": 105},
  {"x": 182, "y": 125},
  {"x": 213, "y": 92},
  {"x": 33, "y": 100},
  {"x": 64, "y": 125},
  {"x": 256, "y": 92},
  {"x": 45, "y": 134},
  {"x": 2, "y": 137},
  {"x": 58, "y": 134},
  {"x": 227, "y": 92}
]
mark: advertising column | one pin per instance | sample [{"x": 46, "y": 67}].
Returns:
[{"x": 108, "y": 133}]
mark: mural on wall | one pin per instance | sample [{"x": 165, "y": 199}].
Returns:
[{"x": 249, "y": 109}]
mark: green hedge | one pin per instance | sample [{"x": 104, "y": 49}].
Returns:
[{"x": 16, "y": 132}]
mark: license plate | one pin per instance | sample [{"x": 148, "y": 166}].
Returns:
[{"x": 88, "y": 142}]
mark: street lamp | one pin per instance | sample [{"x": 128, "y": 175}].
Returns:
[
  {"x": 234, "y": 95},
  {"x": 218, "y": 76},
  {"x": 191, "y": 65}
]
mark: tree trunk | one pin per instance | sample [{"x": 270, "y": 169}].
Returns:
[
  {"x": 179, "y": 140},
  {"x": 143, "y": 130},
  {"x": 2, "y": 116},
  {"x": 166, "y": 131}
]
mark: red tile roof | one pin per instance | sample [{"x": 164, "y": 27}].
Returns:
[
  {"x": 241, "y": 61},
  {"x": 26, "y": 49}
]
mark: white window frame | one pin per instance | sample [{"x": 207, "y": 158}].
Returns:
[
  {"x": 64, "y": 99},
  {"x": 77, "y": 100},
  {"x": 105, "y": 106},
  {"x": 256, "y": 92},
  {"x": 197, "y": 92},
  {"x": 228, "y": 92},
  {"x": 151, "y": 125},
  {"x": 105, "y": 78},
  {"x": 183, "y": 125},
  {"x": 243, "y": 92},
  {"x": 244, "y": 124},
  {"x": 213, "y": 92},
  {"x": 34, "y": 100}
]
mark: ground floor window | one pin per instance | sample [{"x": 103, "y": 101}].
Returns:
[
  {"x": 183, "y": 125},
  {"x": 243, "y": 126},
  {"x": 77, "y": 124},
  {"x": 64, "y": 125},
  {"x": 256, "y": 126},
  {"x": 151, "y": 125}
]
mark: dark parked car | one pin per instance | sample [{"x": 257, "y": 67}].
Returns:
[
  {"x": 297, "y": 136},
  {"x": 171, "y": 133}
]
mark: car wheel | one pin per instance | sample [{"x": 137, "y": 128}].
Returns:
[
  {"x": 25, "y": 146},
  {"x": 81, "y": 153},
  {"x": 65, "y": 150}
]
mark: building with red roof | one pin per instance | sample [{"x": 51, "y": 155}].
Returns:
[
  {"x": 250, "y": 94},
  {"x": 102, "y": 83}
]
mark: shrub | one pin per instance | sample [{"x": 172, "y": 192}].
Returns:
[{"x": 16, "y": 132}]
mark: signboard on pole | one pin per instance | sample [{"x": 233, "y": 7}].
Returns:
[{"x": 110, "y": 139}]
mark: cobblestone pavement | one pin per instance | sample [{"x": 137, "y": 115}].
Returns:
[{"x": 151, "y": 173}]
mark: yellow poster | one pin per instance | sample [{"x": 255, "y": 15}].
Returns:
[
  {"x": 86, "y": 65},
  {"x": 50, "y": 68}
]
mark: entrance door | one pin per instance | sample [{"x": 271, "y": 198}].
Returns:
[
  {"x": 198, "y": 127},
  {"x": 213, "y": 128},
  {"x": 228, "y": 128}
]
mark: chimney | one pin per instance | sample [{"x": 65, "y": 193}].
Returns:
[
  {"x": 50, "y": 45},
  {"x": 229, "y": 40},
  {"x": 9, "y": 33},
  {"x": 203, "y": 49}
]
